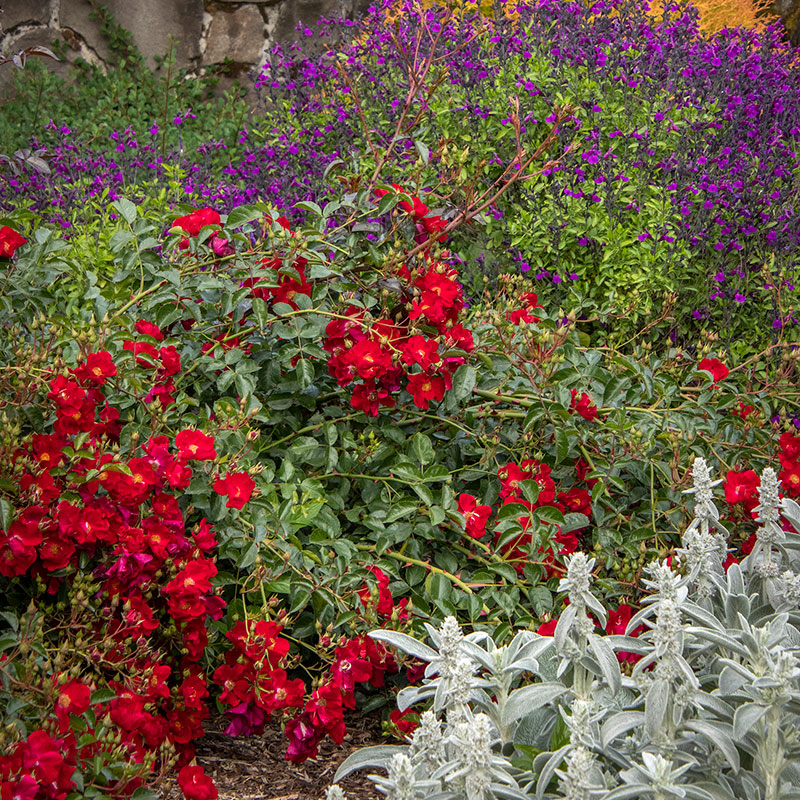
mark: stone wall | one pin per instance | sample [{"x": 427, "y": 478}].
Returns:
[{"x": 205, "y": 32}]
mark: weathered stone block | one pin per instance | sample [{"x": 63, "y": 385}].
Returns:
[
  {"x": 18, "y": 12},
  {"x": 151, "y": 22},
  {"x": 236, "y": 35}
]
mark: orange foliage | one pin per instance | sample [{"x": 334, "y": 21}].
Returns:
[{"x": 714, "y": 14}]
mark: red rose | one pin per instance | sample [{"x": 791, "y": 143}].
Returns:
[
  {"x": 475, "y": 515},
  {"x": 424, "y": 388},
  {"x": 237, "y": 486},
  {"x": 196, "y": 785},
  {"x": 10, "y": 240},
  {"x": 73, "y": 698},
  {"x": 369, "y": 359},
  {"x": 193, "y": 444},
  {"x": 97, "y": 368},
  {"x": 742, "y": 487},
  {"x": 547, "y": 628},
  {"x": 406, "y": 721},
  {"x": 717, "y": 369},
  {"x": 195, "y": 222},
  {"x": 149, "y": 329},
  {"x": 170, "y": 361},
  {"x": 422, "y": 351},
  {"x": 583, "y": 405},
  {"x": 140, "y": 349},
  {"x": 617, "y": 624}
]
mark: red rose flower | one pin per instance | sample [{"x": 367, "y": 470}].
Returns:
[
  {"x": 193, "y": 223},
  {"x": 547, "y": 628},
  {"x": 742, "y": 487},
  {"x": 194, "y": 444},
  {"x": 790, "y": 478},
  {"x": 170, "y": 361},
  {"x": 424, "y": 388},
  {"x": 422, "y": 351},
  {"x": 140, "y": 349},
  {"x": 385, "y": 600},
  {"x": 149, "y": 329},
  {"x": 743, "y": 411},
  {"x": 406, "y": 722},
  {"x": 10, "y": 240},
  {"x": 97, "y": 368},
  {"x": 476, "y": 516},
  {"x": 237, "y": 486},
  {"x": 73, "y": 698},
  {"x": 369, "y": 359},
  {"x": 196, "y": 785},
  {"x": 583, "y": 405},
  {"x": 717, "y": 369},
  {"x": 617, "y": 624}
]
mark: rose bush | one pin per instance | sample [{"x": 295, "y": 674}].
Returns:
[{"x": 224, "y": 418}]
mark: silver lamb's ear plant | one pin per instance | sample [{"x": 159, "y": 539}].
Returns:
[
  {"x": 711, "y": 710},
  {"x": 705, "y": 539},
  {"x": 771, "y": 552}
]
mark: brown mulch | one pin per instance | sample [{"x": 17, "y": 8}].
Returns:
[{"x": 255, "y": 768}]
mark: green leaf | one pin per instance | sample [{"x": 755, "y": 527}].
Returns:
[
  {"x": 405, "y": 507},
  {"x": 549, "y": 514},
  {"x": 618, "y": 724},
  {"x": 127, "y": 209},
  {"x": 102, "y": 696},
  {"x": 309, "y": 205},
  {"x": 424, "y": 493},
  {"x": 422, "y": 448},
  {"x": 6, "y": 514},
  {"x": 745, "y": 718},
  {"x": 241, "y": 215},
  {"x": 406, "y": 472},
  {"x": 464, "y": 381},
  {"x": 11, "y": 619},
  {"x": 260, "y": 312},
  {"x": 526, "y": 700},
  {"x": 405, "y": 643},
  {"x": 144, "y": 794},
  {"x": 655, "y": 707},
  {"x": 562, "y": 445},
  {"x": 305, "y": 373}
]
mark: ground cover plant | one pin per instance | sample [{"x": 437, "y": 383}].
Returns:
[{"x": 234, "y": 443}]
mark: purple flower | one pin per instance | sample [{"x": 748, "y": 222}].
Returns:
[{"x": 739, "y": 298}]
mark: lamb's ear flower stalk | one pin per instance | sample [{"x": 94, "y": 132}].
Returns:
[
  {"x": 577, "y": 782},
  {"x": 765, "y": 558},
  {"x": 671, "y": 685},
  {"x": 705, "y": 539},
  {"x": 575, "y": 630}
]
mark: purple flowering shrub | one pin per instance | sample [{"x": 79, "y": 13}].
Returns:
[
  {"x": 676, "y": 197},
  {"x": 682, "y": 183}
]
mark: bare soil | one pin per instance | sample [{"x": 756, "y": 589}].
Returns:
[{"x": 255, "y": 768}]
